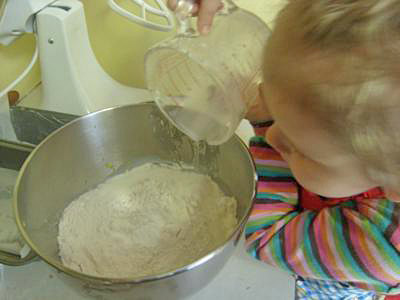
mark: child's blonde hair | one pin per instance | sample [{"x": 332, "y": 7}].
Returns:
[{"x": 365, "y": 110}]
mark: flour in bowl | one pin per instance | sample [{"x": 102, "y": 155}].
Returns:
[{"x": 149, "y": 220}]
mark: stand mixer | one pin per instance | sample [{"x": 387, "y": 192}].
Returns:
[{"x": 73, "y": 82}]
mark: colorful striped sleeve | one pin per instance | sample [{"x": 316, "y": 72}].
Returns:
[{"x": 355, "y": 241}]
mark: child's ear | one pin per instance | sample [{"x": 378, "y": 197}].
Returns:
[{"x": 391, "y": 194}]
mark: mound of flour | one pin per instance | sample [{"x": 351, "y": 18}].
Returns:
[{"x": 151, "y": 219}]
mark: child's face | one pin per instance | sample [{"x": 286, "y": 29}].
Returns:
[{"x": 317, "y": 158}]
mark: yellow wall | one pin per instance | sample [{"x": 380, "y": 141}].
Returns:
[
  {"x": 119, "y": 44},
  {"x": 13, "y": 61}
]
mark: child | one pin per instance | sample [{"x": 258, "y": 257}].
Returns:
[
  {"x": 329, "y": 162},
  {"x": 326, "y": 205}
]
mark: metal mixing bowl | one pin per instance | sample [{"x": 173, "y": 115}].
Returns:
[{"x": 87, "y": 151}]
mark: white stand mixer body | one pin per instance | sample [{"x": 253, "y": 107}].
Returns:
[{"x": 72, "y": 79}]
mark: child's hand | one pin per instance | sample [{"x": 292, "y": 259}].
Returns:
[
  {"x": 205, "y": 10},
  {"x": 258, "y": 111}
]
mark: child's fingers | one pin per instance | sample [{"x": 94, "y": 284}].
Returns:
[
  {"x": 195, "y": 10},
  {"x": 204, "y": 9},
  {"x": 206, "y": 13},
  {"x": 258, "y": 111},
  {"x": 172, "y": 4}
]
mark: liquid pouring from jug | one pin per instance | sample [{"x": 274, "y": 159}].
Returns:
[{"x": 204, "y": 84}]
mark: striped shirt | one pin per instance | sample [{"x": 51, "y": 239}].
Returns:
[{"x": 354, "y": 240}]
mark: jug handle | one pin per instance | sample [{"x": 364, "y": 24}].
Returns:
[{"x": 11, "y": 259}]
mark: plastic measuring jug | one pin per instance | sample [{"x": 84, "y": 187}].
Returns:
[{"x": 204, "y": 84}]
